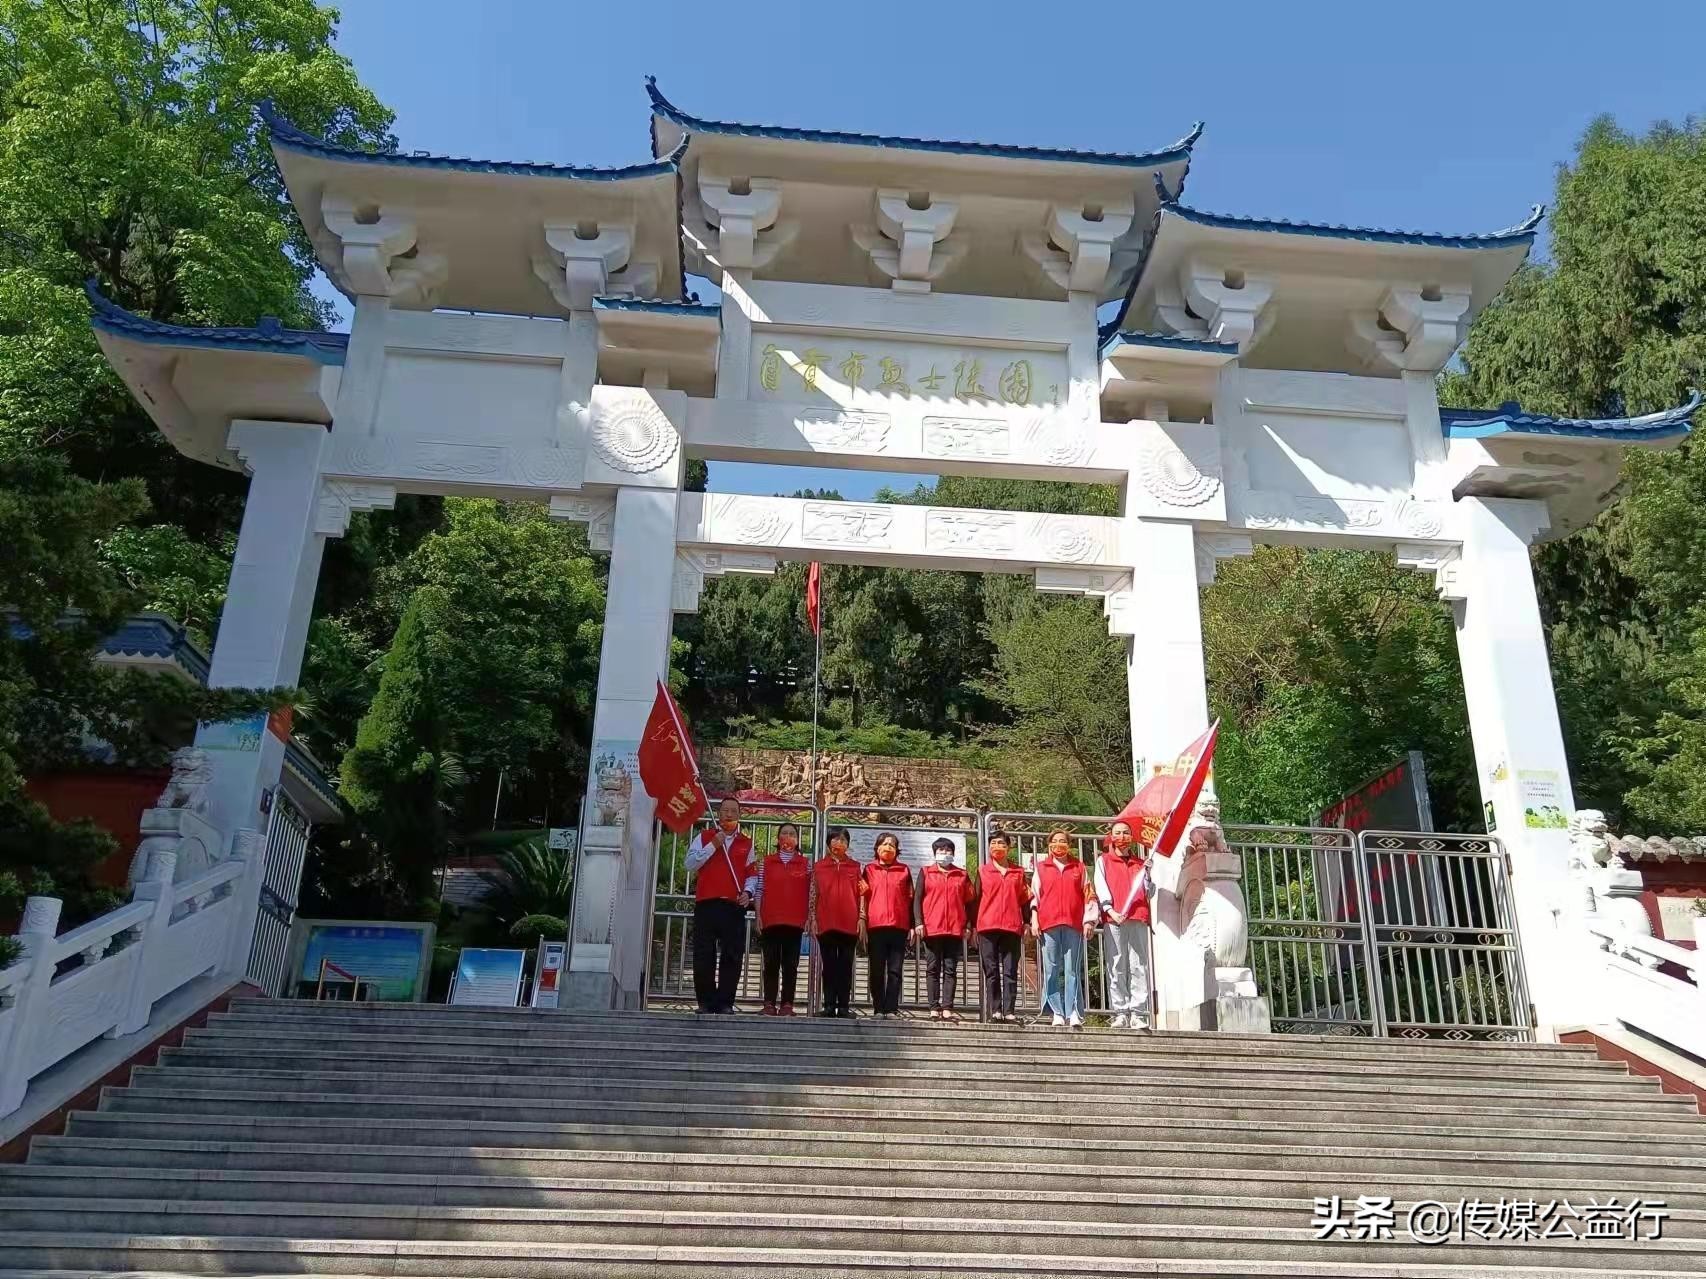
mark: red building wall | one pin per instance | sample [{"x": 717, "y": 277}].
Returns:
[{"x": 114, "y": 799}]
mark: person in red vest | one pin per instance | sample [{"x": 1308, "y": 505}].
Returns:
[
  {"x": 784, "y": 894},
  {"x": 944, "y": 892},
  {"x": 1122, "y": 891},
  {"x": 1065, "y": 913},
  {"x": 837, "y": 887},
  {"x": 725, "y": 879},
  {"x": 887, "y": 922},
  {"x": 1002, "y": 895}
]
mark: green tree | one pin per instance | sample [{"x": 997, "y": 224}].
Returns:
[
  {"x": 1613, "y": 324},
  {"x": 62, "y": 597}
]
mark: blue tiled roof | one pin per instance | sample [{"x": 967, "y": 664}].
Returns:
[
  {"x": 1473, "y": 424},
  {"x": 151, "y": 635},
  {"x": 1522, "y": 233},
  {"x": 1178, "y": 151},
  {"x": 269, "y": 336},
  {"x": 1169, "y": 341},
  {"x": 659, "y": 306},
  {"x": 287, "y": 135}
]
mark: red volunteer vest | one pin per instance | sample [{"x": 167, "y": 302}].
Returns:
[
  {"x": 1001, "y": 893},
  {"x": 837, "y": 881},
  {"x": 1060, "y": 894},
  {"x": 714, "y": 881},
  {"x": 1121, "y": 875},
  {"x": 946, "y": 892},
  {"x": 890, "y": 888},
  {"x": 787, "y": 888}
]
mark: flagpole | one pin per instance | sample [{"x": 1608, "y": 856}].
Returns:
[{"x": 817, "y": 675}]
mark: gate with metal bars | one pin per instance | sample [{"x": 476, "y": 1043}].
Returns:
[
  {"x": 1409, "y": 934},
  {"x": 281, "y": 883}
]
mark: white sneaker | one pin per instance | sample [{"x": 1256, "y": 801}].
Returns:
[
  {"x": 1119, "y": 1022},
  {"x": 1059, "y": 1020},
  {"x": 1138, "y": 1023},
  {"x": 1077, "y": 1022}
]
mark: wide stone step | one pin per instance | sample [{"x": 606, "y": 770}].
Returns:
[
  {"x": 654, "y": 1025},
  {"x": 690, "y": 1108},
  {"x": 857, "y": 1245},
  {"x": 90, "y": 1163},
  {"x": 1630, "y": 1162},
  {"x": 522, "y": 1073},
  {"x": 622, "y": 1096},
  {"x": 1029, "y": 1050},
  {"x": 751, "y": 1027}
]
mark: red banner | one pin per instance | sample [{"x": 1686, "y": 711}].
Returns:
[
  {"x": 668, "y": 769},
  {"x": 814, "y": 597},
  {"x": 1158, "y": 812}
]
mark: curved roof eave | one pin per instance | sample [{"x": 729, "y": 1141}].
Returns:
[
  {"x": 1475, "y": 424},
  {"x": 657, "y": 306},
  {"x": 269, "y": 337},
  {"x": 285, "y": 135},
  {"x": 1167, "y": 341},
  {"x": 1179, "y": 151}
]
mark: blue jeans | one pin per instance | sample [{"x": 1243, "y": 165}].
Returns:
[{"x": 1063, "y": 966}]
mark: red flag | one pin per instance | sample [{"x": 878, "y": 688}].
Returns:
[
  {"x": 814, "y": 597},
  {"x": 668, "y": 769},
  {"x": 1158, "y": 812}
]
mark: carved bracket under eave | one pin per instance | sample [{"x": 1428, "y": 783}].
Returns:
[
  {"x": 911, "y": 242},
  {"x": 692, "y": 567},
  {"x": 732, "y": 223},
  {"x": 1432, "y": 557},
  {"x": 1076, "y": 248},
  {"x": 1415, "y": 328},
  {"x": 587, "y": 260},
  {"x": 340, "y": 499},
  {"x": 1211, "y": 548},
  {"x": 1216, "y": 303},
  {"x": 1112, "y": 587},
  {"x": 597, "y": 513},
  {"x": 378, "y": 252}
]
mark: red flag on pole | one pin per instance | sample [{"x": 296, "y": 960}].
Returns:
[
  {"x": 1158, "y": 812},
  {"x": 814, "y": 597},
  {"x": 668, "y": 769}
]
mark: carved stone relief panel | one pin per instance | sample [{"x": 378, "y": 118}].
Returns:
[
  {"x": 954, "y": 532},
  {"x": 846, "y": 524}
]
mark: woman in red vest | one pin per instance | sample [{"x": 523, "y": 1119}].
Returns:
[
  {"x": 1122, "y": 890},
  {"x": 944, "y": 891},
  {"x": 1065, "y": 913},
  {"x": 887, "y": 922},
  {"x": 1002, "y": 895},
  {"x": 837, "y": 887},
  {"x": 784, "y": 893}
]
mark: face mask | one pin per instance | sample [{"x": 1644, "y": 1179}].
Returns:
[
  {"x": 945, "y": 859},
  {"x": 1121, "y": 840},
  {"x": 999, "y": 853},
  {"x": 838, "y": 849},
  {"x": 730, "y": 826},
  {"x": 787, "y": 843},
  {"x": 886, "y": 854}
]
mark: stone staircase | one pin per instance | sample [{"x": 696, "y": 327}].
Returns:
[{"x": 292, "y": 1138}]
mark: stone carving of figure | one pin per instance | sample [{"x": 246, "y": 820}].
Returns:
[
  {"x": 614, "y": 787},
  {"x": 1211, "y": 896},
  {"x": 192, "y": 772}
]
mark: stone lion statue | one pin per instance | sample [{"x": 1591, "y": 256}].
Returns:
[
  {"x": 612, "y": 791},
  {"x": 192, "y": 773}
]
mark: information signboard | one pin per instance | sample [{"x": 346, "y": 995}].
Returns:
[
  {"x": 914, "y": 844},
  {"x": 548, "y": 973},
  {"x": 491, "y": 978},
  {"x": 388, "y": 960}
]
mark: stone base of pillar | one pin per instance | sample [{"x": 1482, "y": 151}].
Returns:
[{"x": 1237, "y": 1008}]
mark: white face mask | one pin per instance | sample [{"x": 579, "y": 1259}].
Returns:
[{"x": 945, "y": 858}]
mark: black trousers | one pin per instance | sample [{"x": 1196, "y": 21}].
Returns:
[
  {"x": 998, "y": 953},
  {"x": 836, "y": 951},
  {"x": 719, "y": 946},
  {"x": 781, "y": 946},
  {"x": 886, "y": 948},
  {"x": 942, "y": 957}
]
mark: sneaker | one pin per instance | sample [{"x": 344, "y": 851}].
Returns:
[
  {"x": 769, "y": 1010},
  {"x": 787, "y": 1011},
  {"x": 948, "y": 1014},
  {"x": 936, "y": 1014},
  {"x": 1119, "y": 1022},
  {"x": 1139, "y": 1023},
  {"x": 1077, "y": 1022},
  {"x": 1058, "y": 1020}
]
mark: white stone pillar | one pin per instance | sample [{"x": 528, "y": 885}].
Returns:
[
  {"x": 1168, "y": 691},
  {"x": 1519, "y": 746},
  {"x": 612, "y": 890},
  {"x": 264, "y": 624}
]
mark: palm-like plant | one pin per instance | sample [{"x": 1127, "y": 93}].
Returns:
[{"x": 530, "y": 879}]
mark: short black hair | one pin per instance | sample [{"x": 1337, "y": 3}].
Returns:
[
  {"x": 1000, "y": 836},
  {"x": 886, "y": 837},
  {"x": 788, "y": 826},
  {"x": 942, "y": 841},
  {"x": 836, "y": 832}
]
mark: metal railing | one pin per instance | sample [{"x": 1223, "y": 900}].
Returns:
[{"x": 281, "y": 886}]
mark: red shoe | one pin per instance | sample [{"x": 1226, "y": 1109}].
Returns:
[
  {"x": 787, "y": 1010},
  {"x": 769, "y": 1010}
]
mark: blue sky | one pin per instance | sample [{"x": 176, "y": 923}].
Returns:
[{"x": 1445, "y": 116}]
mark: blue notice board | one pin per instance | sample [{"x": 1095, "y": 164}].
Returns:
[
  {"x": 488, "y": 977},
  {"x": 388, "y": 959}
]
